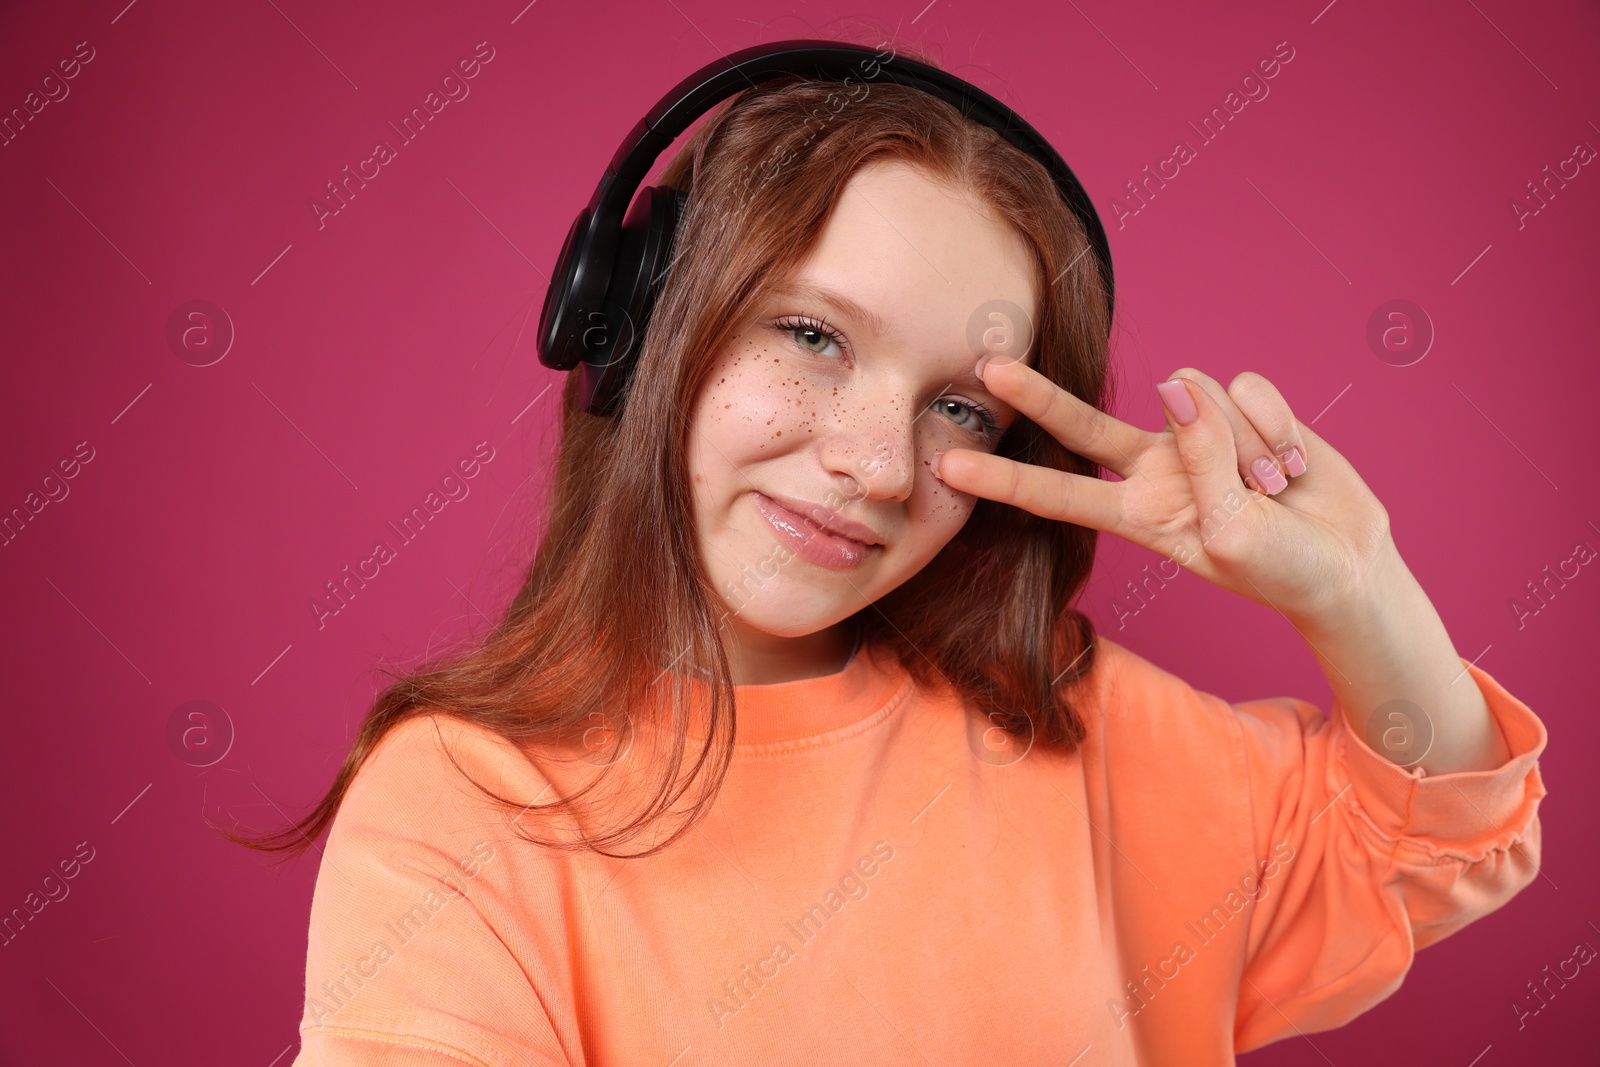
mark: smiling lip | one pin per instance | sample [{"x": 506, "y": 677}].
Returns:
[
  {"x": 811, "y": 541},
  {"x": 827, "y": 519}
]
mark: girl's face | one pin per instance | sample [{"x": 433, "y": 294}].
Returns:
[{"x": 829, "y": 405}]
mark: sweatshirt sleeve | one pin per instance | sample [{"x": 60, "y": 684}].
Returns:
[
  {"x": 406, "y": 965},
  {"x": 1362, "y": 862}
]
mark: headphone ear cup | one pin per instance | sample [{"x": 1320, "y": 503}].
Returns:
[
  {"x": 558, "y": 349},
  {"x": 643, "y": 256}
]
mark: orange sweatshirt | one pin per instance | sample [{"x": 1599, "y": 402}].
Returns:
[{"x": 883, "y": 881}]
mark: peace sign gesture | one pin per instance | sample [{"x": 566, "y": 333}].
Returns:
[{"x": 1301, "y": 536}]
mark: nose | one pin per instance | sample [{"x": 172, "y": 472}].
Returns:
[{"x": 876, "y": 449}]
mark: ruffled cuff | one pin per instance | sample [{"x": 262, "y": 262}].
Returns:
[{"x": 1463, "y": 813}]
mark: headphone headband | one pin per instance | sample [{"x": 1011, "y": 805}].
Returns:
[{"x": 603, "y": 285}]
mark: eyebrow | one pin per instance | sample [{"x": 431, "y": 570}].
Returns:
[{"x": 874, "y": 323}]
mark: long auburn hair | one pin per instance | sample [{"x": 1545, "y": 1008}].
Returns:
[{"x": 603, "y": 610}]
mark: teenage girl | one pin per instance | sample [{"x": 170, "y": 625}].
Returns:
[{"x": 791, "y": 747}]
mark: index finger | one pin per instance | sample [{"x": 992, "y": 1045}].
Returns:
[
  {"x": 1044, "y": 491},
  {"x": 1079, "y": 426}
]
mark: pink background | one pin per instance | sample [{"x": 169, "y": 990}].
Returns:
[{"x": 373, "y": 353}]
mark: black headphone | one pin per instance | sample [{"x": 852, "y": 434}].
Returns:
[{"x": 609, "y": 271}]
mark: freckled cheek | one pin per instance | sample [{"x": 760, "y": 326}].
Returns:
[
  {"x": 766, "y": 405},
  {"x": 937, "y": 507}
]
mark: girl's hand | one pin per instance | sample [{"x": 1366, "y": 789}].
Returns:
[{"x": 1312, "y": 549}]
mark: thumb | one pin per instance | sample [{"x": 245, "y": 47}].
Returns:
[{"x": 1205, "y": 443}]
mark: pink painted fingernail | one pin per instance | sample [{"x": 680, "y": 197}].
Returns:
[
  {"x": 1270, "y": 477},
  {"x": 1178, "y": 400},
  {"x": 1294, "y": 461}
]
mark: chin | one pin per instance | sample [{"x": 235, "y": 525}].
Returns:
[{"x": 783, "y": 616}]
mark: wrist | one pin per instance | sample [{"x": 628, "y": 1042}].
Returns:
[{"x": 1373, "y": 593}]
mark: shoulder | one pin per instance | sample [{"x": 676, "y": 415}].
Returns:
[
  {"x": 1157, "y": 729},
  {"x": 1133, "y": 707},
  {"x": 1126, "y": 691},
  {"x": 434, "y": 767}
]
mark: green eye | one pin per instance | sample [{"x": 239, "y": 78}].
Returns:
[
  {"x": 986, "y": 427},
  {"x": 814, "y": 331},
  {"x": 806, "y": 342}
]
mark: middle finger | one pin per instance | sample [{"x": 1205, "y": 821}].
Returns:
[
  {"x": 1080, "y": 427},
  {"x": 1269, "y": 477}
]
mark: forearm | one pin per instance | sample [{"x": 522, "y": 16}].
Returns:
[{"x": 1392, "y": 645}]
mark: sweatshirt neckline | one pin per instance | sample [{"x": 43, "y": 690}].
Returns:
[{"x": 809, "y": 707}]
